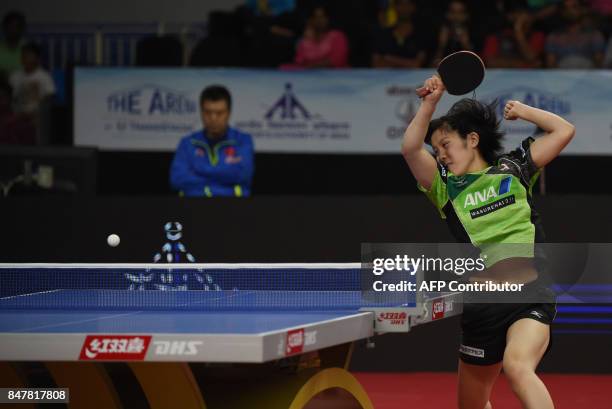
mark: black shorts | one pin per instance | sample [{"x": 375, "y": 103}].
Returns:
[{"x": 485, "y": 325}]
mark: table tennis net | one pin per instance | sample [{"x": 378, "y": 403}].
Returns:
[{"x": 193, "y": 287}]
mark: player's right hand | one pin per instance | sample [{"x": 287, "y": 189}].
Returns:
[{"x": 435, "y": 89}]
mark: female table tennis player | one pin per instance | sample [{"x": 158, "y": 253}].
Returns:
[{"x": 466, "y": 143}]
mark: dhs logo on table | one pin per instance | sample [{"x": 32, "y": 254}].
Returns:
[
  {"x": 295, "y": 340},
  {"x": 115, "y": 347},
  {"x": 439, "y": 308},
  {"x": 176, "y": 348},
  {"x": 392, "y": 318},
  {"x": 150, "y": 100}
]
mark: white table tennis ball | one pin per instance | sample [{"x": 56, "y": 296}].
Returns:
[{"x": 113, "y": 240}]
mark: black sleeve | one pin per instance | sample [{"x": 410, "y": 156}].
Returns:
[{"x": 520, "y": 163}]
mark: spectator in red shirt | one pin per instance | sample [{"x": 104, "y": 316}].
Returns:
[
  {"x": 321, "y": 46},
  {"x": 516, "y": 45}
]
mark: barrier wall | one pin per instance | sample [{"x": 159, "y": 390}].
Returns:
[{"x": 260, "y": 229}]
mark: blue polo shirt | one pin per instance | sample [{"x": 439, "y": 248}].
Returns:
[{"x": 209, "y": 168}]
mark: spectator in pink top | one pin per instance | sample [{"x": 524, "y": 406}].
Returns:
[
  {"x": 603, "y": 7},
  {"x": 320, "y": 47}
]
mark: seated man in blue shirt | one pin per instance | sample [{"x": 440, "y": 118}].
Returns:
[{"x": 218, "y": 160}]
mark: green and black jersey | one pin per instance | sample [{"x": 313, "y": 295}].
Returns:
[{"x": 492, "y": 208}]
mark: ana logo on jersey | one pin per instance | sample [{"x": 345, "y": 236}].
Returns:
[{"x": 484, "y": 195}]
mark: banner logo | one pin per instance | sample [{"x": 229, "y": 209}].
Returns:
[
  {"x": 288, "y": 106},
  {"x": 289, "y": 118},
  {"x": 150, "y": 100},
  {"x": 534, "y": 97},
  {"x": 405, "y": 109},
  {"x": 151, "y": 109}
]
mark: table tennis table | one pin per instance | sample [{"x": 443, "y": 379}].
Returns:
[{"x": 244, "y": 335}]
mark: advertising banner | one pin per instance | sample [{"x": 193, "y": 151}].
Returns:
[{"x": 319, "y": 111}]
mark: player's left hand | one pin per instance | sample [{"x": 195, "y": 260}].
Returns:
[{"x": 512, "y": 110}]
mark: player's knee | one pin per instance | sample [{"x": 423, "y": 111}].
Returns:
[
  {"x": 515, "y": 370},
  {"x": 471, "y": 403},
  {"x": 474, "y": 396}
]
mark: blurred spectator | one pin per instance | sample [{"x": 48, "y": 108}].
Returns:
[
  {"x": 602, "y": 7},
  {"x": 270, "y": 7},
  {"x": 544, "y": 14},
  {"x": 539, "y": 4},
  {"x": 516, "y": 45},
  {"x": 222, "y": 47},
  {"x": 607, "y": 63},
  {"x": 321, "y": 46},
  {"x": 456, "y": 33},
  {"x": 218, "y": 160},
  {"x": 400, "y": 46},
  {"x": 540, "y": 8},
  {"x": 358, "y": 20},
  {"x": 270, "y": 31},
  {"x": 577, "y": 44},
  {"x": 386, "y": 13},
  {"x": 13, "y": 29},
  {"x": 32, "y": 84},
  {"x": 14, "y": 129},
  {"x": 490, "y": 15}
]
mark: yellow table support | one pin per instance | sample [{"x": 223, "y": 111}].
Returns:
[
  {"x": 313, "y": 380},
  {"x": 328, "y": 379},
  {"x": 292, "y": 384},
  {"x": 168, "y": 385},
  {"x": 11, "y": 378},
  {"x": 90, "y": 386}
]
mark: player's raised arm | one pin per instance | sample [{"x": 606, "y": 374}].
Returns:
[
  {"x": 421, "y": 163},
  {"x": 559, "y": 132}
]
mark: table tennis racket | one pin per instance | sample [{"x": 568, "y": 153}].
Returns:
[{"x": 461, "y": 72}]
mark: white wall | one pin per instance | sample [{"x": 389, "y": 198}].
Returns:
[{"x": 116, "y": 11}]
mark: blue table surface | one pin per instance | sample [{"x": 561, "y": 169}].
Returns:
[
  {"x": 172, "y": 312},
  {"x": 158, "y": 322}
]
